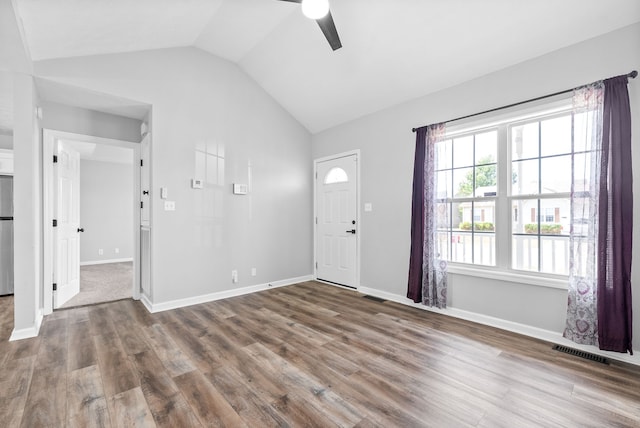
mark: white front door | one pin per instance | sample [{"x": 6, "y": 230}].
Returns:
[
  {"x": 336, "y": 208},
  {"x": 67, "y": 216}
]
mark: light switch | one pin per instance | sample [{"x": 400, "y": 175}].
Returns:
[
  {"x": 163, "y": 193},
  {"x": 240, "y": 189},
  {"x": 169, "y": 205},
  {"x": 368, "y": 207}
]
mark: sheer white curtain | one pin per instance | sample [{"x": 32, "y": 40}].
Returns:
[
  {"x": 434, "y": 264},
  {"x": 582, "y": 313}
]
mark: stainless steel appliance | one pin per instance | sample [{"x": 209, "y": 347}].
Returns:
[{"x": 6, "y": 235}]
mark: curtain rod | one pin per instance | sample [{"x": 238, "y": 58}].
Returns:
[{"x": 632, "y": 75}]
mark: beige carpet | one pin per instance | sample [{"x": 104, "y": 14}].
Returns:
[{"x": 103, "y": 283}]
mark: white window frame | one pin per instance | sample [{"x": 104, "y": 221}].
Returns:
[{"x": 539, "y": 110}]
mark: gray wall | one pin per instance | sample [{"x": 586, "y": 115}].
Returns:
[
  {"x": 106, "y": 210},
  {"x": 6, "y": 141},
  {"x": 201, "y": 101},
  {"x": 27, "y": 208},
  {"x": 387, "y": 146},
  {"x": 89, "y": 122}
]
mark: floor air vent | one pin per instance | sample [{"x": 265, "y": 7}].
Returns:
[
  {"x": 581, "y": 354},
  {"x": 374, "y": 298}
]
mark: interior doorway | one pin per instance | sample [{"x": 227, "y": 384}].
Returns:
[
  {"x": 92, "y": 220},
  {"x": 337, "y": 225}
]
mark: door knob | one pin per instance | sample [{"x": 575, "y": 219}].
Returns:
[
  {"x": 145, "y": 192},
  {"x": 81, "y": 229},
  {"x": 352, "y": 231}
]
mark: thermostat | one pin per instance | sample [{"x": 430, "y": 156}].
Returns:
[
  {"x": 196, "y": 183},
  {"x": 240, "y": 189}
]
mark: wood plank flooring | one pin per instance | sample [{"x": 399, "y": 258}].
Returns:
[{"x": 307, "y": 355}]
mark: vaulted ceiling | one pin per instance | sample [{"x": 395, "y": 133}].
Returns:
[{"x": 393, "y": 50}]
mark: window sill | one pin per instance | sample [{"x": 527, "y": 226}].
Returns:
[{"x": 501, "y": 275}]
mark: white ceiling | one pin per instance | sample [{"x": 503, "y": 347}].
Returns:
[{"x": 394, "y": 50}]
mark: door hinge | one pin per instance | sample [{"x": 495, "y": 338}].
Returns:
[
  {"x": 141, "y": 204},
  {"x": 141, "y": 162},
  {"x": 55, "y": 223},
  {"x": 316, "y": 220},
  {"x": 55, "y": 287},
  {"x": 55, "y": 159},
  {"x": 316, "y": 265}
]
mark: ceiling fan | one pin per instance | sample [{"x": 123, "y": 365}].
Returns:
[{"x": 319, "y": 10}]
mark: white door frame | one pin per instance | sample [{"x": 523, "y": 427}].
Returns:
[
  {"x": 49, "y": 137},
  {"x": 359, "y": 227}
]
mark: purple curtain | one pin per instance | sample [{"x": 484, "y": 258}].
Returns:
[
  {"x": 615, "y": 221},
  {"x": 414, "y": 290},
  {"x": 427, "y": 269}
]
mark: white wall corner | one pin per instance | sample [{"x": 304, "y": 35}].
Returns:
[
  {"x": 526, "y": 330},
  {"x": 189, "y": 301},
  {"x": 146, "y": 302},
  {"x": 29, "y": 332}
]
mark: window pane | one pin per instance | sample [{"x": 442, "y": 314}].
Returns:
[
  {"x": 336, "y": 175},
  {"x": 463, "y": 151},
  {"x": 524, "y": 177},
  {"x": 486, "y": 147},
  {"x": 584, "y": 128},
  {"x": 463, "y": 182},
  {"x": 443, "y": 184},
  {"x": 524, "y": 252},
  {"x": 556, "y": 174},
  {"x": 443, "y": 154},
  {"x": 486, "y": 180},
  {"x": 555, "y": 136},
  {"x": 540, "y": 240},
  {"x": 524, "y": 141},
  {"x": 461, "y": 236},
  {"x": 581, "y": 172},
  {"x": 554, "y": 254},
  {"x": 484, "y": 242},
  {"x": 524, "y": 228}
]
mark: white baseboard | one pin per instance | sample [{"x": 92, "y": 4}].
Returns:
[
  {"x": 29, "y": 332},
  {"x": 526, "y": 330},
  {"x": 146, "y": 302},
  {"x": 174, "y": 304},
  {"x": 104, "y": 262}
]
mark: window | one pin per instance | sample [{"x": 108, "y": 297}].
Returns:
[
  {"x": 504, "y": 191},
  {"x": 466, "y": 175},
  {"x": 336, "y": 175}
]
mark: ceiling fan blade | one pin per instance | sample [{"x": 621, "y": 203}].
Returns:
[{"x": 328, "y": 27}]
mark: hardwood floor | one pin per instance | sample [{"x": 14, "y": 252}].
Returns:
[{"x": 301, "y": 356}]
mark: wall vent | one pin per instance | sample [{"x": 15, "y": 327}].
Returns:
[{"x": 581, "y": 354}]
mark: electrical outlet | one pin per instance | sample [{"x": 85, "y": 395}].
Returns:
[
  {"x": 254, "y": 272},
  {"x": 117, "y": 250},
  {"x": 100, "y": 251},
  {"x": 234, "y": 276},
  {"x": 169, "y": 205}
]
